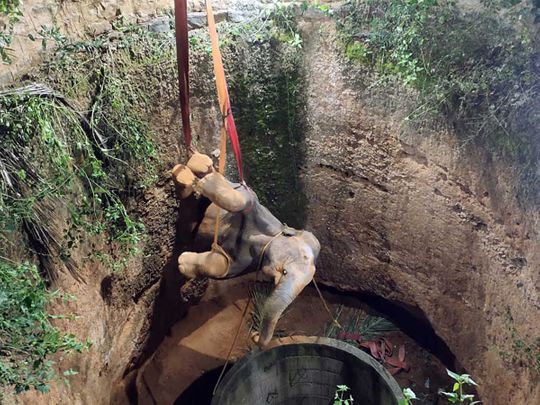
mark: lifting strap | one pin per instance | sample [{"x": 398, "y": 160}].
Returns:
[
  {"x": 182, "y": 58},
  {"x": 223, "y": 94}
]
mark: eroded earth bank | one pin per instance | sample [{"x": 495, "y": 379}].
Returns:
[{"x": 420, "y": 221}]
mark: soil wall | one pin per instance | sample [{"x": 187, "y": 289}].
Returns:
[{"x": 403, "y": 214}]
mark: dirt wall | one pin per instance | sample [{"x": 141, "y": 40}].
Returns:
[
  {"x": 44, "y": 19},
  {"x": 405, "y": 214},
  {"x": 408, "y": 215}
]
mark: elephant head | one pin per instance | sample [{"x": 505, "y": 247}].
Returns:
[{"x": 292, "y": 259}]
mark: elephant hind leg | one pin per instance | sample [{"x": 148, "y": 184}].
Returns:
[{"x": 206, "y": 264}]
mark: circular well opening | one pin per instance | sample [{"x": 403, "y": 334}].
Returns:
[{"x": 307, "y": 373}]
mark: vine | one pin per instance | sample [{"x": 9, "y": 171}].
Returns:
[
  {"x": 27, "y": 336},
  {"x": 48, "y": 164},
  {"x": 12, "y": 13}
]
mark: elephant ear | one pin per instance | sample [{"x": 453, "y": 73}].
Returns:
[{"x": 310, "y": 239}]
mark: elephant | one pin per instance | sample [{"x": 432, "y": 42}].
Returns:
[{"x": 250, "y": 239}]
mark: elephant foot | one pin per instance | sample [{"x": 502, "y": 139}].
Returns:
[
  {"x": 183, "y": 178},
  {"x": 200, "y": 164},
  {"x": 186, "y": 265}
]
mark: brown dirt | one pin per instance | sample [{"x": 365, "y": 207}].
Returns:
[
  {"x": 404, "y": 215},
  {"x": 199, "y": 343},
  {"x": 412, "y": 216}
]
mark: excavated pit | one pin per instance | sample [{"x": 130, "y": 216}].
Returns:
[
  {"x": 307, "y": 373},
  {"x": 186, "y": 365}
]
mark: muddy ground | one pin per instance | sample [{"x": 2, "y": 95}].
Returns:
[{"x": 186, "y": 364}]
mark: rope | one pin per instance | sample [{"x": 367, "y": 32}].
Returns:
[
  {"x": 232, "y": 346},
  {"x": 221, "y": 169},
  {"x": 218, "y": 249},
  {"x": 334, "y": 320},
  {"x": 263, "y": 251}
]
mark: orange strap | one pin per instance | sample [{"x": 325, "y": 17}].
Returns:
[
  {"x": 221, "y": 86},
  {"x": 219, "y": 71},
  {"x": 223, "y": 93}
]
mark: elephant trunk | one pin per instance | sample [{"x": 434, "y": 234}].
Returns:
[{"x": 293, "y": 281}]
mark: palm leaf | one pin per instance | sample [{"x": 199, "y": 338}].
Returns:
[{"x": 357, "y": 322}]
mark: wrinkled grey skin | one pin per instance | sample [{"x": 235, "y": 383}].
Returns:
[{"x": 246, "y": 228}]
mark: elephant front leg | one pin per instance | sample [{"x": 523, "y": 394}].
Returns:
[
  {"x": 207, "y": 264},
  {"x": 218, "y": 190},
  {"x": 291, "y": 283}
]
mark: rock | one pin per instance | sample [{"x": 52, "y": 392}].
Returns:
[
  {"x": 198, "y": 19},
  {"x": 159, "y": 24},
  {"x": 115, "y": 35},
  {"x": 313, "y": 13},
  {"x": 402, "y": 242},
  {"x": 196, "y": 5},
  {"x": 236, "y": 16},
  {"x": 99, "y": 28}
]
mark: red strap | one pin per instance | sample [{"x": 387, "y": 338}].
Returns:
[
  {"x": 235, "y": 143},
  {"x": 182, "y": 57}
]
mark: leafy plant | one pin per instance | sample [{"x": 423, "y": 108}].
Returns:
[
  {"x": 523, "y": 349},
  {"x": 46, "y": 157},
  {"x": 409, "y": 396},
  {"x": 359, "y": 323},
  {"x": 339, "y": 396},
  {"x": 474, "y": 69},
  {"x": 457, "y": 396},
  {"x": 27, "y": 336},
  {"x": 315, "y": 5},
  {"x": 283, "y": 24},
  {"x": 11, "y": 10}
]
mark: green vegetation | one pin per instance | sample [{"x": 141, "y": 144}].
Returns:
[
  {"x": 10, "y": 13},
  {"x": 50, "y": 164},
  {"x": 339, "y": 399},
  {"x": 265, "y": 86},
  {"x": 457, "y": 396},
  {"x": 525, "y": 351},
  {"x": 54, "y": 159},
  {"x": 408, "y": 397},
  {"x": 521, "y": 350},
  {"x": 27, "y": 337},
  {"x": 55, "y": 190},
  {"x": 357, "y": 322},
  {"x": 475, "y": 68}
]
